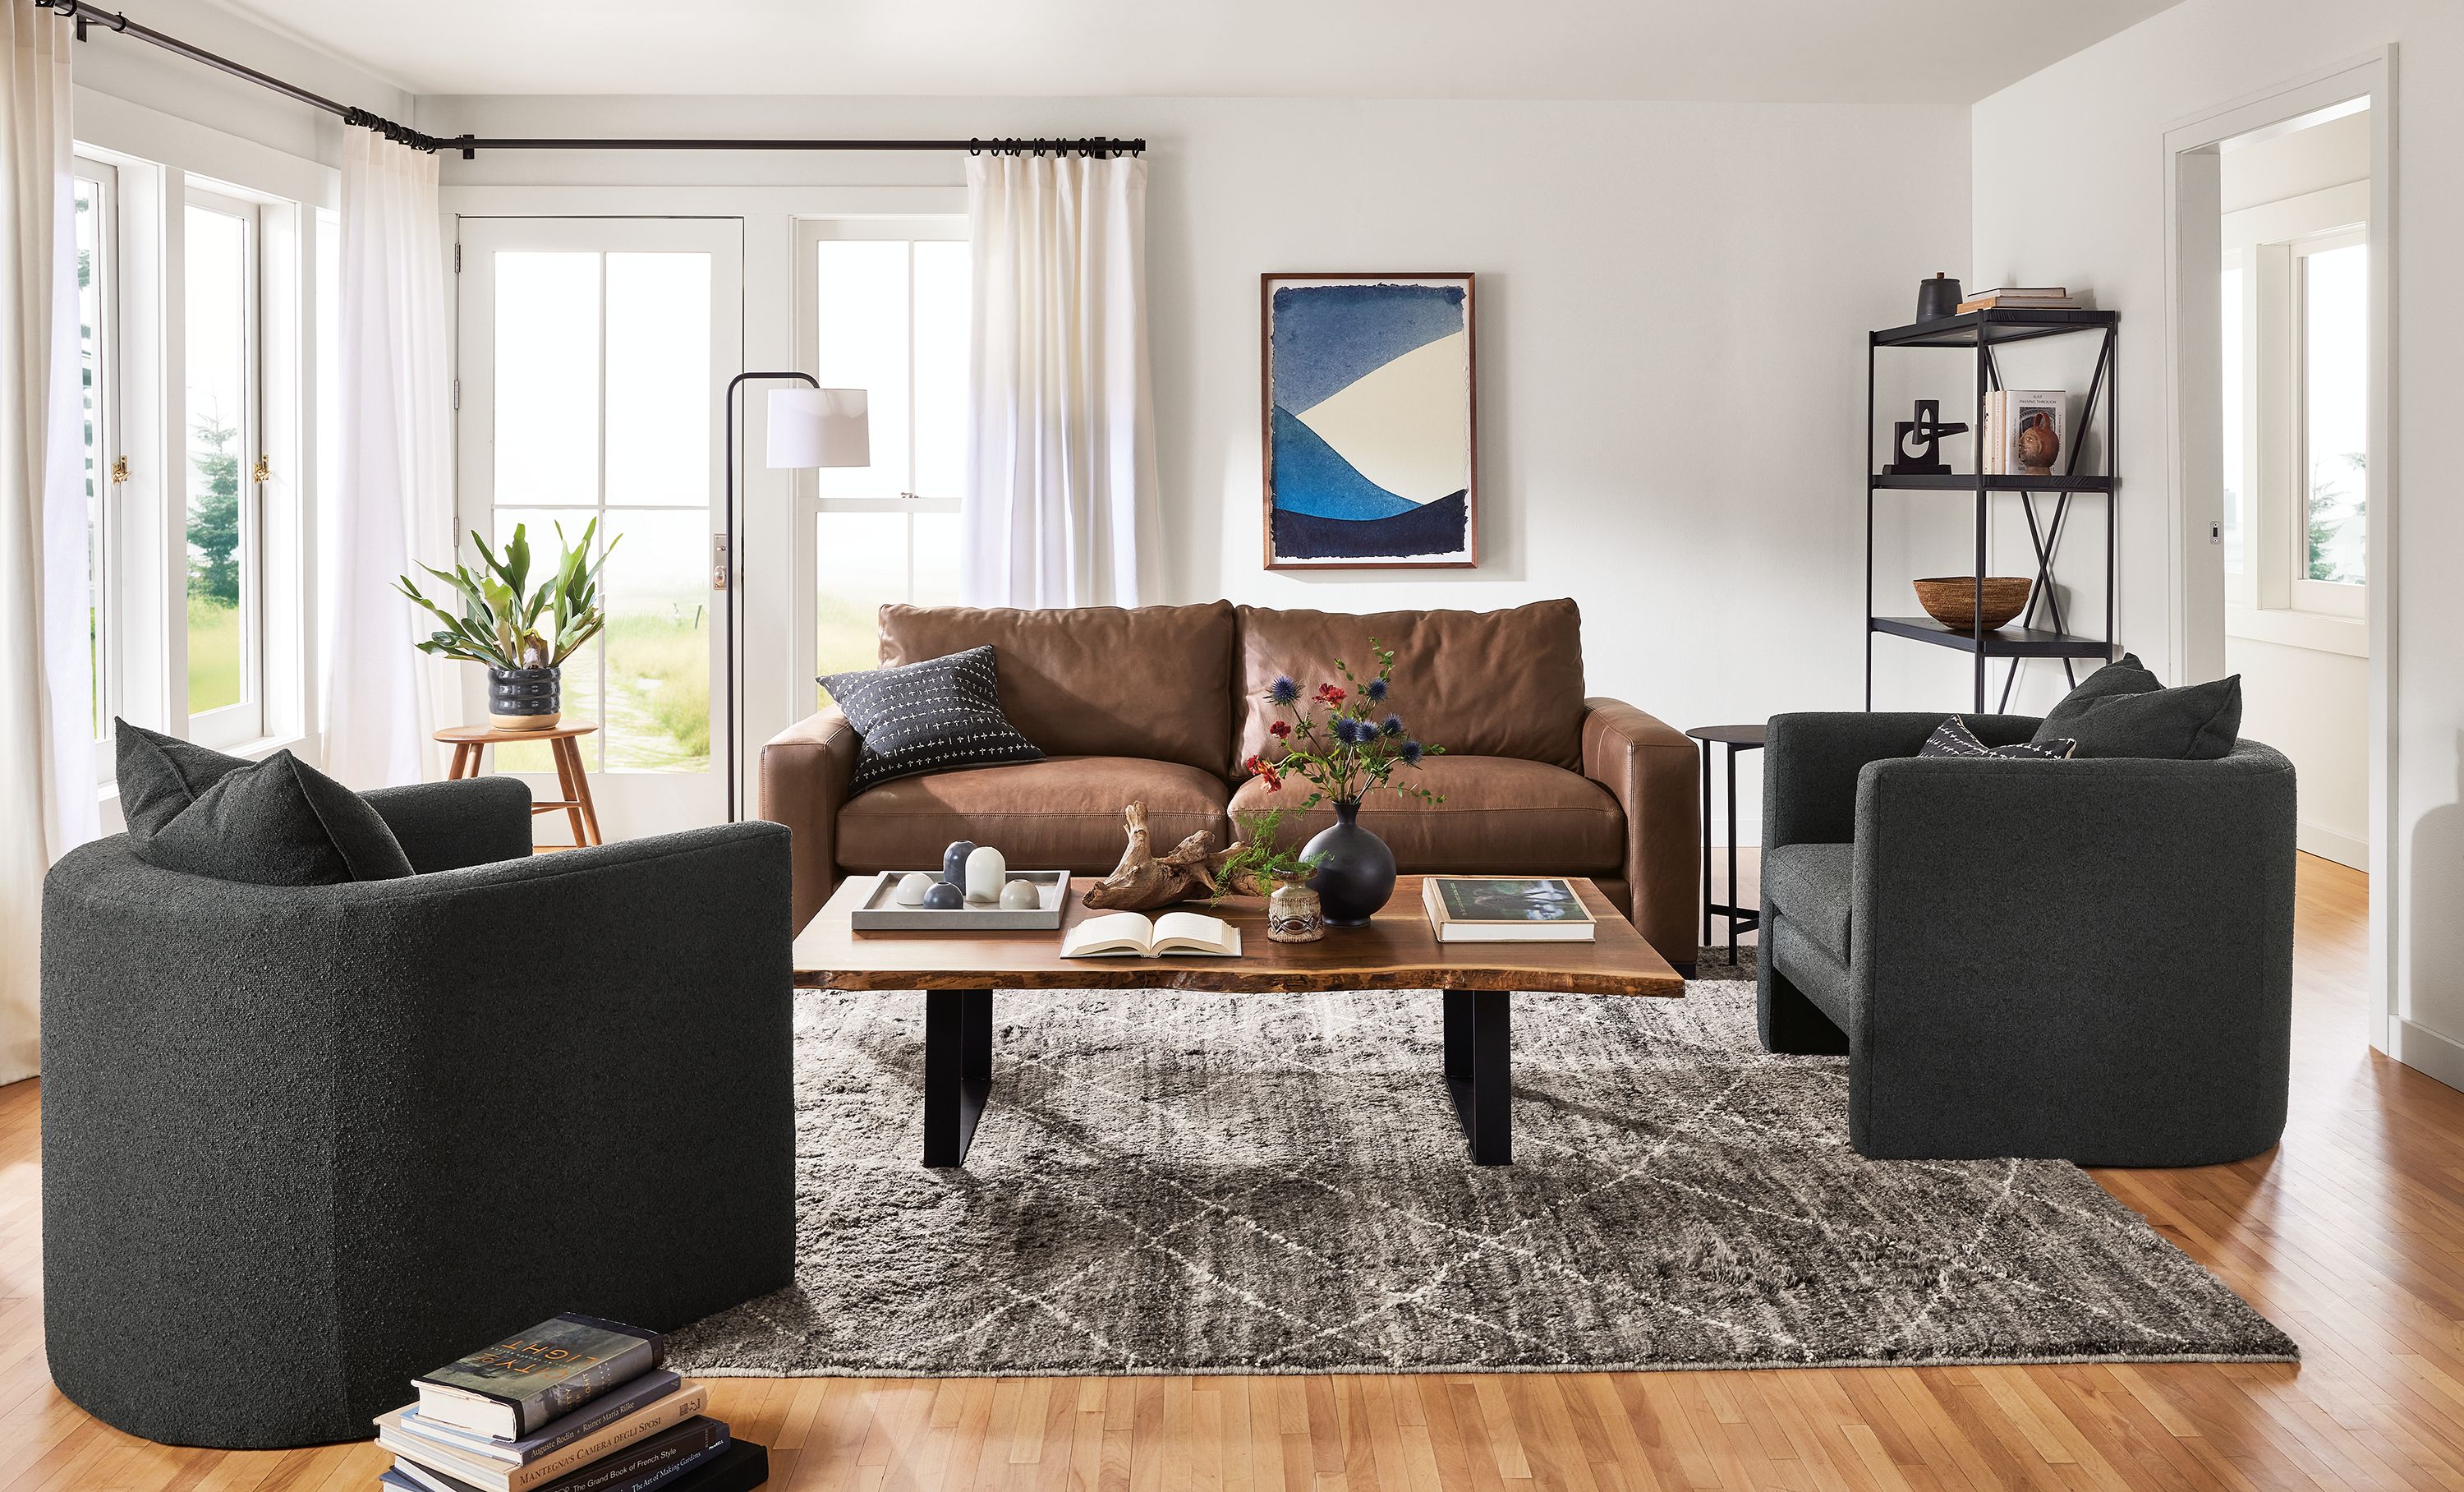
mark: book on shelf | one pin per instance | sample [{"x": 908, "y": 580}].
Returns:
[
  {"x": 667, "y": 1457},
  {"x": 1505, "y": 909},
  {"x": 515, "y": 1386},
  {"x": 399, "y": 1435},
  {"x": 1135, "y": 935},
  {"x": 2009, "y": 414},
  {"x": 554, "y": 1435},
  {"x": 2019, "y": 300}
]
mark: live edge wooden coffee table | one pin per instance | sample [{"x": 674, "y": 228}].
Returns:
[{"x": 958, "y": 973}]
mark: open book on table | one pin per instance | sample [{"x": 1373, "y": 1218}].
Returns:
[{"x": 1135, "y": 935}]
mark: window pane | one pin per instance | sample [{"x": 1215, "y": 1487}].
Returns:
[
  {"x": 658, "y": 378},
  {"x": 217, "y": 281},
  {"x": 90, "y": 370},
  {"x": 579, "y": 683},
  {"x": 2336, "y": 392},
  {"x": 329, "y": 406},
  {"x": 2233, "y": 420},
  {"x": 942, "y": 308},
  {"x": 547, "y": 377},
  {"x": 862, "y": 561},
  {"x": 861, "y": 302},
  {"x": 936, "y": 559},
  {"x": 656, "y": 595}
]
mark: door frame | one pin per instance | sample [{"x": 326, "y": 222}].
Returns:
[
  {"x": 2194, "y": 247},
  {"x": 629, "y": 804}
]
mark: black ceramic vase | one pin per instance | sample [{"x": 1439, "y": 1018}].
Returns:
[
  {"x": 1355, "y": 872},
  {"x": 524, "y": 699}
]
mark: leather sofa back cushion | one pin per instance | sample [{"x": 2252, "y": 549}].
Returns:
[
  {"x": 1152, "y": 682},
  {"x": 1479, "y": 684}
]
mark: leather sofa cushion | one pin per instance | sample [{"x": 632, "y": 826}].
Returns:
[
  {"x": 1811, "y": 883},
  {"x": 1095, "y": 681},
  {"x": 1480, "y": 683},
  {"x": 1501, "y": 813},
  {"x": 1061, "y": 813}
]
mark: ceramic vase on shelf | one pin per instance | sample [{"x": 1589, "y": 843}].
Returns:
[
  {"x": 524, "y": 699},
  {"x": 1356, "y": 870}
]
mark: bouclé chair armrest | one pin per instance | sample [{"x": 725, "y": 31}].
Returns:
[
  {"x": 1810, "y": 761},
  {"x": 804, "y": 773},
  {"x": 451, "y": 825},
  {"x": 1650, "y": 769}
]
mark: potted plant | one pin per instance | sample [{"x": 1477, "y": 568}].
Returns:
[
  {"x": 1345, "y": 745},
  {"x": 521, "y": 635}
]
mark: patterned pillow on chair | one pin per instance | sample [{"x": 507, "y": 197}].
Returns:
[
  {"x": 1953, "y": 738},
  {"x": 931, "y": 717}
]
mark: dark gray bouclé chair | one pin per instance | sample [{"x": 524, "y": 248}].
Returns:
[
  {"x": 300, "y": 1144},
  {"x": 2089, "y": 959}
]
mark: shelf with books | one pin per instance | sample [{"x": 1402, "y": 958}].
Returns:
[{"x": 1999, "y": 324}]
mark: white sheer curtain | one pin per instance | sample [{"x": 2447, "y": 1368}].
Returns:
[
  {"x": 396, "y": 499},
  {"x": 47, "y": 780},
  {"x": 1060, "y": 506}
]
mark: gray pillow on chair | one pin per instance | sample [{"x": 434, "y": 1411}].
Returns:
[
  {"x": 276, "y": 822},
  {"x": 2121, "y": 710}
]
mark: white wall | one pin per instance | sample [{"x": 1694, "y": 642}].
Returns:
[
  {"x": 2090, "y": 209},
  {"x": 1673, "y": 306}
]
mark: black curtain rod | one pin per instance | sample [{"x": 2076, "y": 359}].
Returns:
[{"x": 84, "y": 15}]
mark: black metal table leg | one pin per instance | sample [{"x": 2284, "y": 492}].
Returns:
[
  {"x": 1704, "y": 777},
  {"x": 1732, "y": 854},
  {"x": 958, "y": 1070},
  {"x": 1480, "y": 1043}
]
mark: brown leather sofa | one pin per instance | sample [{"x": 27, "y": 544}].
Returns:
[{"x": 1161, "y": 705}]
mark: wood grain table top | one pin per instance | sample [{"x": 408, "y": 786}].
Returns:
[
  {"x": 1397, "y": 950},
  {"x": 501, "y": 735}
]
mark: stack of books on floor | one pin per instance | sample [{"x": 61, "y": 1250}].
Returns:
[{"x": 573, "y": 1405}]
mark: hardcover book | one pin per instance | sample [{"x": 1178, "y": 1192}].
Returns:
[
  {"x": 666, "y": 1457},
  {"x": 587, "y": 1420},
  {"x": 495, "y": 1475},
  {"x": 1505, "y": 910},
  {"x": 516, "y": 1386}
]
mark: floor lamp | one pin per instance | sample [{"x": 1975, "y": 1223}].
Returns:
[{"x": 812, "y": 427}]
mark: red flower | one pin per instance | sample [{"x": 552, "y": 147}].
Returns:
[
  {"x": 1258, "y": 769},
  {"x": 1279, "y": 729},
  {"x": 1328, "y": 694}
]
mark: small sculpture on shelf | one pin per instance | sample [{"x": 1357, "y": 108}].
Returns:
[
  {"x": 2040, "y": 441},
  {"x": 1927, "y": 430}
]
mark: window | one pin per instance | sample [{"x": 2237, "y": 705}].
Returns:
[
  {"x": 890, "y": 307},
  {"x": 2336, "y": 410},
  {"x": 224, "y": 585},
  {"x": 97, "y": 363}
]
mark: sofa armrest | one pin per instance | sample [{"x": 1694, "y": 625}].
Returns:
[
  {"x": 1810, "y": 762},
  {"x": 2112, "y": 937},
  {"x": 804, "y": 772},
  {"x": 1650, "y": 770},
  {"x": 451, "y": 825}
]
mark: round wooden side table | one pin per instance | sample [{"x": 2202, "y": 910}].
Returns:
[
  {"x": 1740, "y": 919},
  {"x": 468, "y": 742}
]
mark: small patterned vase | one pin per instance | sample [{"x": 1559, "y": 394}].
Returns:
[{"x": 1294, "y": 915}]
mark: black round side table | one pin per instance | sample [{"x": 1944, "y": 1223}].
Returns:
[{"x": 1741, "y": 919}]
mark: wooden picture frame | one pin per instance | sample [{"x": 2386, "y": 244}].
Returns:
[{"x": 1371, "y": 357}]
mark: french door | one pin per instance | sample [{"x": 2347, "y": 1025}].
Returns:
[{"x": 591, "y": 356}]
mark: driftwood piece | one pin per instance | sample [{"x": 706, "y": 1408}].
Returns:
[{"x": 1145, "y": 880}]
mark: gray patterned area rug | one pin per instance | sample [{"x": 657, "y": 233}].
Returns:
[{"x": 1169, "y": 1183}]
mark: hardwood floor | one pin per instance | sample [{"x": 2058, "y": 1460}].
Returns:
[{"x": 2351, "y": 1235}]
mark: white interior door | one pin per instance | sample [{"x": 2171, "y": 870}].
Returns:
[{"x": 592, "y": 354}]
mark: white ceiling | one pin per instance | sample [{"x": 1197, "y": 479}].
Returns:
[{"x": 1872, "y": 51}]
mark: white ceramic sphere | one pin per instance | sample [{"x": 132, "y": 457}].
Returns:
[
  {"x": 1018, "y": 896},
  {"x": 911, "y": 887},
  {"x": 986, "y": 870}
]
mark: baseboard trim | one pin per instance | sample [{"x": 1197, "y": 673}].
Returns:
[
  {"x": 2329, "y": 845},
  {"x": 2429, "y": 1052}
]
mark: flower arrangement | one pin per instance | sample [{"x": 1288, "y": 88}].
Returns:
[
  {"x": 500, "y": 616},
  {"x": 1342, "y": 741}
]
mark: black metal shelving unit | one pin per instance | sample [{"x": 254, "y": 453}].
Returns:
[{"x": 1981, "y": 332}]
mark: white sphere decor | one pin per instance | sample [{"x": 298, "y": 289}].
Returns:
[
  {"x": 986, "y": 870},
  {"x": 1018, "y": 896},
  {"x": 911, "y": 887}
]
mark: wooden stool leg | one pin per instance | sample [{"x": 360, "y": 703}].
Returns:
[
  {"x": 466, "y": 761},
  {"x": 582, "y": 788},
  {"x": 565, "y": 775}
]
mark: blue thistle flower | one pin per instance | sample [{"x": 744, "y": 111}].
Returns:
[
  {"x": 1376, "y": 689},
  {"x": 1393, "y": 725},
  {"x": 1347, "y": 730},
  {"x": 1283, "y": 691},
  {"x": 1409, "y": 753}
]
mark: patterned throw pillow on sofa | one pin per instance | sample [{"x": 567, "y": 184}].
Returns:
[
  {"x": 1953, "y": 738},
  {"x": 930, "y": 716}
]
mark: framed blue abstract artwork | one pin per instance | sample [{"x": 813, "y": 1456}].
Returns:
[{"x": 1368, "y": 439}]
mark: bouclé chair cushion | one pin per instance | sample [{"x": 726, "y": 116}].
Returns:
[
  {"x": 2123, "y": 710},
  {"x": 277, "y": 823}
]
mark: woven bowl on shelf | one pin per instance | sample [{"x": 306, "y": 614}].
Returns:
[{"x": 1951, "y": 599}]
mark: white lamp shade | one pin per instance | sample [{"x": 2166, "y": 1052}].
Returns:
[{"x": 819, "y": 426}]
